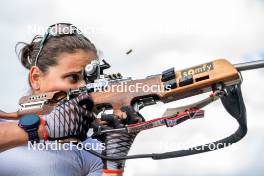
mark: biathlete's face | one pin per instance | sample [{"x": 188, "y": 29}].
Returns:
[{"x": 67, "y": 74}]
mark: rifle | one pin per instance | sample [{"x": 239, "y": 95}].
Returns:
[{"x": 216, "y": 76}]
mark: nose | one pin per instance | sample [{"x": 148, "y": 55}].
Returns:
[{"x": 81, "y": 83}]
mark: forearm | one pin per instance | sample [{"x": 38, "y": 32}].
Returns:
[{"x": 11, "y": 135}]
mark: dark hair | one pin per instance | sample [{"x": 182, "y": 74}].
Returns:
[{"x": 52, "y": 48}]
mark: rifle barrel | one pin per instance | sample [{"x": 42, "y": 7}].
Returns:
[{"x": 249, "y": 65}]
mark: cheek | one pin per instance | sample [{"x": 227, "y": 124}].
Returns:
[{"x": 54, "y": 83}]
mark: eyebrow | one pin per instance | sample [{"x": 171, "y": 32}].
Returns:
[{"x": 73, "y": 72}]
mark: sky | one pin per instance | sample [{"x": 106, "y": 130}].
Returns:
[{"x": 162, "y": 34}]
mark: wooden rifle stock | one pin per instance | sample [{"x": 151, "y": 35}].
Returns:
[{"x": 169, "y": 86}]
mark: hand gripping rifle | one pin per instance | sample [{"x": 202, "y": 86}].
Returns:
[{"x": 219, "y": 76}]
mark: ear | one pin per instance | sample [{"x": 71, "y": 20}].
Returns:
[{"x": 34, "y": 78}]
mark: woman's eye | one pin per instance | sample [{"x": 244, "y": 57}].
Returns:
[{"x": 73, "y": 78}]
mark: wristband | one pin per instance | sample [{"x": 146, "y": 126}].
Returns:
[
  {"x": 45, "y": 132},
  {"x": 111, "y": 171}
]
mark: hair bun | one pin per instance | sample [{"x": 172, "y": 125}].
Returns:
[{"x": 25, "y": 52}]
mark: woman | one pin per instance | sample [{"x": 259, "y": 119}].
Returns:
[{"x": 56, "y": 62}]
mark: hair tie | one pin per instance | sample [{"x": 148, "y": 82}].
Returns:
[{"x": 29, "y": 60}]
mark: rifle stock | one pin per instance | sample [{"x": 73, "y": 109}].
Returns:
[
  {"x": 180, "y": 84},
  {"x": 170, "y": 86}
]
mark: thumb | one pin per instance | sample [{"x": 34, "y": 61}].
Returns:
[{"x": 86, "y": 101}]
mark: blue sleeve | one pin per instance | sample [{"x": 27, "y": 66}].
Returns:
[
  {"x": 93, "y": 165},
  {"x": 23, "y": 162}
]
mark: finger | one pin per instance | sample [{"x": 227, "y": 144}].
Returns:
[
  {"x": 132, "y": 115},
  {"x": 142, "y": 119},
  {"x": 129, "y": 111},
  {"x": 111, "y": 119},
  {"x": 86, "y": 101},
  {"x": 120, "y": 114},
  {"x": 99, "y": 121},
  {"x": 96, "y": 125},
  {"x": 138, "y": 120}
]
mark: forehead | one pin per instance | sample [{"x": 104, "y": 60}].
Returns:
[{"x": 75, "y": 61}]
